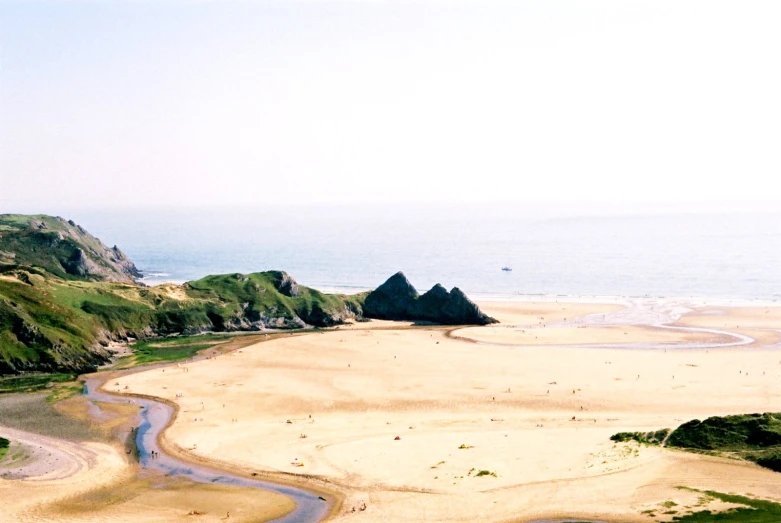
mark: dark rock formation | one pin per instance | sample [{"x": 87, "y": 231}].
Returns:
[
  {"x": 393, "y": 300},
  {"x": 397, "y": 299},
  {"x": 78, "y": 264}
]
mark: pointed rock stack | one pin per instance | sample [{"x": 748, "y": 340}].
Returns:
[{"x": 397, "y": 299}]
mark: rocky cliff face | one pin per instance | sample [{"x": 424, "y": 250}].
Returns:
[
  {"x": 62, "y": 248},
  {"x": 397, "y": 299},
  {"x": 393, "y": 300},
  {"x": 286, "y": 285}
]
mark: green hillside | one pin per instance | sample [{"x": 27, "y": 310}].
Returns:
[
  {"x": 48, "y": 323},
  {"x": 65, "y": 296},
  {"x": 61, "y": 248}
]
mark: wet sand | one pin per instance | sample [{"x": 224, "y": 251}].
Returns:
[{"x": 72, "y": 468}]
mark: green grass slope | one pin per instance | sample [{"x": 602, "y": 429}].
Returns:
[
  {"x": 61, "y": 248},
  {"x": 54, "y": 324}
]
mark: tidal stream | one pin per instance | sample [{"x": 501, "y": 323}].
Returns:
[{"x": 155, "y": 416}]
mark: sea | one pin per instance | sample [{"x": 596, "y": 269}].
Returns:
[{"x": 730, "y": 255}]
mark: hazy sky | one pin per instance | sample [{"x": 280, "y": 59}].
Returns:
[{"x": 185, "y": 103}]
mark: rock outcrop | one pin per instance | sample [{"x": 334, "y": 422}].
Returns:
[
  {"x": 393, "y": 300},
  {"x": 397, "y": 299},
  {"x": 62, "y": 248},
  {"x": 285, "y": 284}
]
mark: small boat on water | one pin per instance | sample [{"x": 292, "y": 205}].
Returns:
[{"x": 507, "y": 269}]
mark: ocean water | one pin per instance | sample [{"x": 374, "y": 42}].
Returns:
[{"x": 735, "y": 255}]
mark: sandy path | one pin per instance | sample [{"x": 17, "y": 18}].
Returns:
[{"x": 511, "y": 407}]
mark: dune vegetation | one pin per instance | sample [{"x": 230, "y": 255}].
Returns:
[{"x": 752, "y": 437}]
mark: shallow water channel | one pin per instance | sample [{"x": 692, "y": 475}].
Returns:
[{"x": 155, "y": 417}]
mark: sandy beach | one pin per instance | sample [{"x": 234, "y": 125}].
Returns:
[
  {"x": 503, "y": 423},
  {"x": 404, "y": 419}
]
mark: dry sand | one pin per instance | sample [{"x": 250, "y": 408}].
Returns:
[{"x": 330, "y": 405}]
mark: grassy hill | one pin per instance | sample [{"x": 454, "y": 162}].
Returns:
[
  {"x": 65, "y": 296},
  {"x": 61, "y": 248},
  {"x": 49, "y": 323}
]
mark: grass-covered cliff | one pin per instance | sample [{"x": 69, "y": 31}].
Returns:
[
  {"x": 51, "y": 324},
  {"x": 62, "y": 248},
  {"x": 64, "y": 296}
]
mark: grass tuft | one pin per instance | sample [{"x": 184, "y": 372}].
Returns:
[
  {"x": 645, "y": 438},
  {"x": 4, "y": 444}
]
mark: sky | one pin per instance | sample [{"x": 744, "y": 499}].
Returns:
[{"x": 178, "y": 103}]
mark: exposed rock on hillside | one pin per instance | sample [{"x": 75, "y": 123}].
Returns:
[
  {"x": 284, "y": 283},
  {"x": 397, "y": 299},
  {"x": 62, "y": 248}
]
